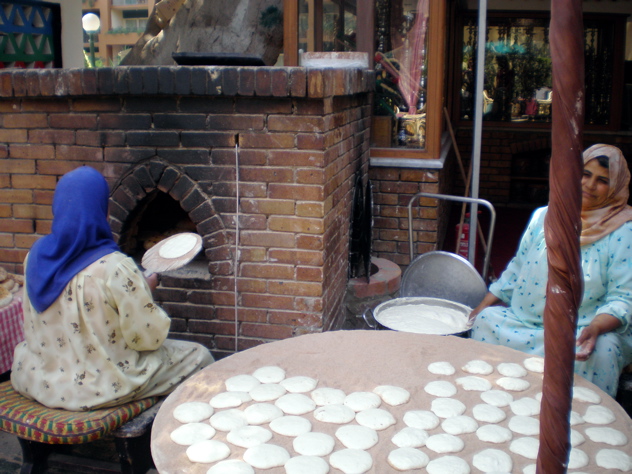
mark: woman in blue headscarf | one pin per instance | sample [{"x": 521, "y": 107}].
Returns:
[{"x": 95, "y": 337}]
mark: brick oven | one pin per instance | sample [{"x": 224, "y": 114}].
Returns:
[{"x": 268, "y": 152}]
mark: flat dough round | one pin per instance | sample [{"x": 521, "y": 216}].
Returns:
[
  {"x": 478, "y": 367},
  {"x": 497, "y": 398},
  {"x": 406, "y": 459},
  {"x": 441, "y": 368},
  {"x": 576, "y": 418},
  {"x": 375, "y": 418},
  {"x": 241, "y": 383},
  {"x": 444, "y": 443},
  {"x": 584, "y": 394},
  {"x": 359, "y": 401},
  {"x": 606, "y": 435},
  {"x": 269, "y": 374},
  {"x": 524, "y": 425},
  {"x": 231, "y": 466},
  {"x": 229, "y": 399},
  {"x": 457, "y": 425},
  {"x": 409, "y": 437},
  {"x": 306, "y": 465},
  {"x": 526, "y": 447},
  {"x": 614, "y": 459},
  {"x": 447, "y": 407},
  {"x": 191, "y": 433},
  {"x": 208, "y": 451},
  {"x": 267, "y": 392},
  {"x": 599, "y": 415},
  {"x": 511, "y": 369},
  {"x": 314, "y": 444},
  {"x": 261, "y": 413},
  {"x": 448, "y": 464},
  {"x": 473, "y": 383},
  {"x": 392, "y": 395},
  {"x": 299, "y": 384},
  {"x": 526, "y": 406},
  {"x": 440, "y": 388},
  {"x": 248, "y": 436},
  {"x": 534, "y": 364},
  {"x": 421, "y": 419},
  {"x": 488, "y": 413},
  {"x": 193, "y": 412},
  {"x": 494, "y": 434},
  {"x": 266, "y": 456},
  {"x": 178, "y": 246},
  {"x": 576, "y": 438},
  {"x": 357, "y": 436},
  {"x": 577, "y": 459},
  {"x": 351, "y": 461},
  {"x": 492, "y": 460},
  {"x": 513, "y": 384},
  {"x": 295, "y": 404},
  {"x": 291, "y": 425},
  {"x": 328, "y": 396},
  {"x": 334, "y": 414},
  {"x": 227, "y": 420}
]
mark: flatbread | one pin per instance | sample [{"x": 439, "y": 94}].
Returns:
[
  {"x": 229, "y": 399},
  {"x": 328, "y": 396},
  {"x": 576, "y": 438},
  {"x": 351, "y": 461},
  {"x": 606, "y": 435},
  {"x": 478, "y": 367},
  {"x": 231, "y": 466},
  {"x": 584, "y": 394},
  {"x": 375, "y": 418},
  {"x": 526, "y": 406},
  {"x": 392, "y": 395},
  {"x": 359, "y": 401},
  {"x": 526, "y": 447},
  {"x": 441, "y": 368},
  {"x": 248, "y": 436},
  {"x": 448, "y": 464},
  {"x": 306, "y": 465},
  {"x": 227, "y": 420},
  {"x": 492, "y": 460},
  {"x": 267, "y": 392},
  {"x": 208, "y": 451},
  {"x": 334, "y": 414},
  {"x": 511, "y": 369},
  {"x": 444, "y": 443},
  {"x": 494, "y": 434},
  {"x": 497, "y": 398},
  {"x": 421, "y": 419},
  {"x": 269, "y": 374},
  {"x": 241, "y": 383},
  {"x": 440, "y": 388},
  {"x": 614, "y": 459},
  {"x": 357, "y": 436},
  {"x": 524, "y": 425},
  {"x": 599, "y": 415},
  {"x": 406, "y": 459},
  {"x": 447, "y": 407},
  {"x": 409, "y": 437},
  {"x": 261, "y": 413},
  {"x": 534, "y": 364},
  {"x": 266, "y": 456},
  {"x": 291, "y": 425},
  {"x": 191, "y": 433},
  {"x": 192, "y": 412},
  {"x": 314, "y": 444},
  {"x": 299, "y": 384},
  {"x": 513, "y": 384},
  {"x": 577, "y": 459},
  {"x": 474, "y": 383},
  {"x": 488, "y": 413},
  {"x": 295, "y": 404},
  {"x": 458, "y": 425}
]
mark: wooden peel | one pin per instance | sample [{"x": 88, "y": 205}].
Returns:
[{"x": 172, "y": 253}]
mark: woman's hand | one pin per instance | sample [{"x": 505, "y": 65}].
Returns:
[
  {"x": 489, "y": 300},
  {"x": 153, "y": 280},
  {"x": 587, "y": 340}
]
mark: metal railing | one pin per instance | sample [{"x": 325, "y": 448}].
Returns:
[{"x": 125, "y": 3}]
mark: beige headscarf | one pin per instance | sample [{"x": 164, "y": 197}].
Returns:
[{"x": 597, "y": 223}]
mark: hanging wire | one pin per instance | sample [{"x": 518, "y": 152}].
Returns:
[{"x": 236, "y": 261}]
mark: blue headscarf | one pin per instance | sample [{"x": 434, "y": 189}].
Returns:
[{"x": 80, "y": 236}]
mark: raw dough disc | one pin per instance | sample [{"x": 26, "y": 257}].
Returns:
[
  {"x": 606, "y": 435},
  {"x": 599, "y": 415},
  {"x": 192, "y": 412},
  {"x": 497, "y": 398},
  {"x": 314, "y": 444},
  {"x": 266, "y": 392},
  {"x": 511, "y": 369},
  {"x": 295, "y": 404},
  {"x": 614, "y": 459},
  {"x": 576, "y": 438},
  {"x": 261, "y": 413},
  {"x": 410, "y": 438},
  {"x": 191, "y": 433},
  {"x": 524, "y": 425},
  {"x": 447, "y": 407},
  {"x": 577, "y": 459},
  {"x": 231, "y": 466},
  {"x": 457, "y": 425},
  {"x": 359, "y": 401},
  {"x": 306, "y": 464},
  {"x": 421, "y": 419},
  {"x": 392, "y": 395},
  {"x": 576, "y": 418},
  {"x": 227, "y": 420},
  {"x": 492, "y": 460},
  {"x": 351, "y": 461},
  {"x": 494, "y": 434},
  {"x": 478, "y": 367},
  {"x": 526, "y": 406},
  {"x": 441, "y": 368},
  {"x": 448, "y": 464},
  {"x": 208, "y": 451},
  {"x": 299, "y": 384},
  {"x": 334, "y": 414},
  {"x": 526, "y": 447},
  {"x": 328, "y": 396},
  {"x": 584, "y": 394},
  {"x": 269, "y": 374},
  {"x": 440, "y": 388},
  {"x": 266, "y": 456},
  {"x": 514, "y": 384},
  {"x": 291, "y": 425},
  {"x": 241, "y": 383},
  {"x": 229, "y": 399},
  {"x": 178, "y": 246},
  {"x": 534, "y": 364},
  {"x": 473, "y": 383},
  {"x": 488, "y": 413},
  {"x": 444, "y": 443},
  {"x": 357, "y": 436},
  {"x": 248, "y": 436},
  {"x": 406, "y": 459},
  {"x": 375, "y": 418}
]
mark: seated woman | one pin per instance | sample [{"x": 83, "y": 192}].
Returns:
[
  {"x": 95, "y": 338},
  {"x": 605, "y": 313}
]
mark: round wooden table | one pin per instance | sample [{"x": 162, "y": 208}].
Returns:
[{"x": 360, "y": 361}]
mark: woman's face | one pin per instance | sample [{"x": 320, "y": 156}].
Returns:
[{"x": 595, "y": 185}]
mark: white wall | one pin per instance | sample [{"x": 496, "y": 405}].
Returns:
[{"x": 71, "y": 33}]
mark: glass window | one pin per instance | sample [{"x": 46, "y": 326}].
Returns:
[{"x": 327, "y": 25}]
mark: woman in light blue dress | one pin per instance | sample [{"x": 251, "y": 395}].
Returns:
[{"x": 511, "y": 314}]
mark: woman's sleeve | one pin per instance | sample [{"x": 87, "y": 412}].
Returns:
[
  {"x": 618, "y": 301},
  {"x": 145, "y": 325},
  {"x": 504, "y": 286}
]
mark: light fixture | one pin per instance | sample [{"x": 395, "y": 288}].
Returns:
[{"x": 91, "y": 24}]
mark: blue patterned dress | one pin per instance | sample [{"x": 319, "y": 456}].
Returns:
[{"x": 607, "y": 267}]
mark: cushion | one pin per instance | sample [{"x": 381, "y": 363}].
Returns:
[{"x": 31, "y": 420}]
